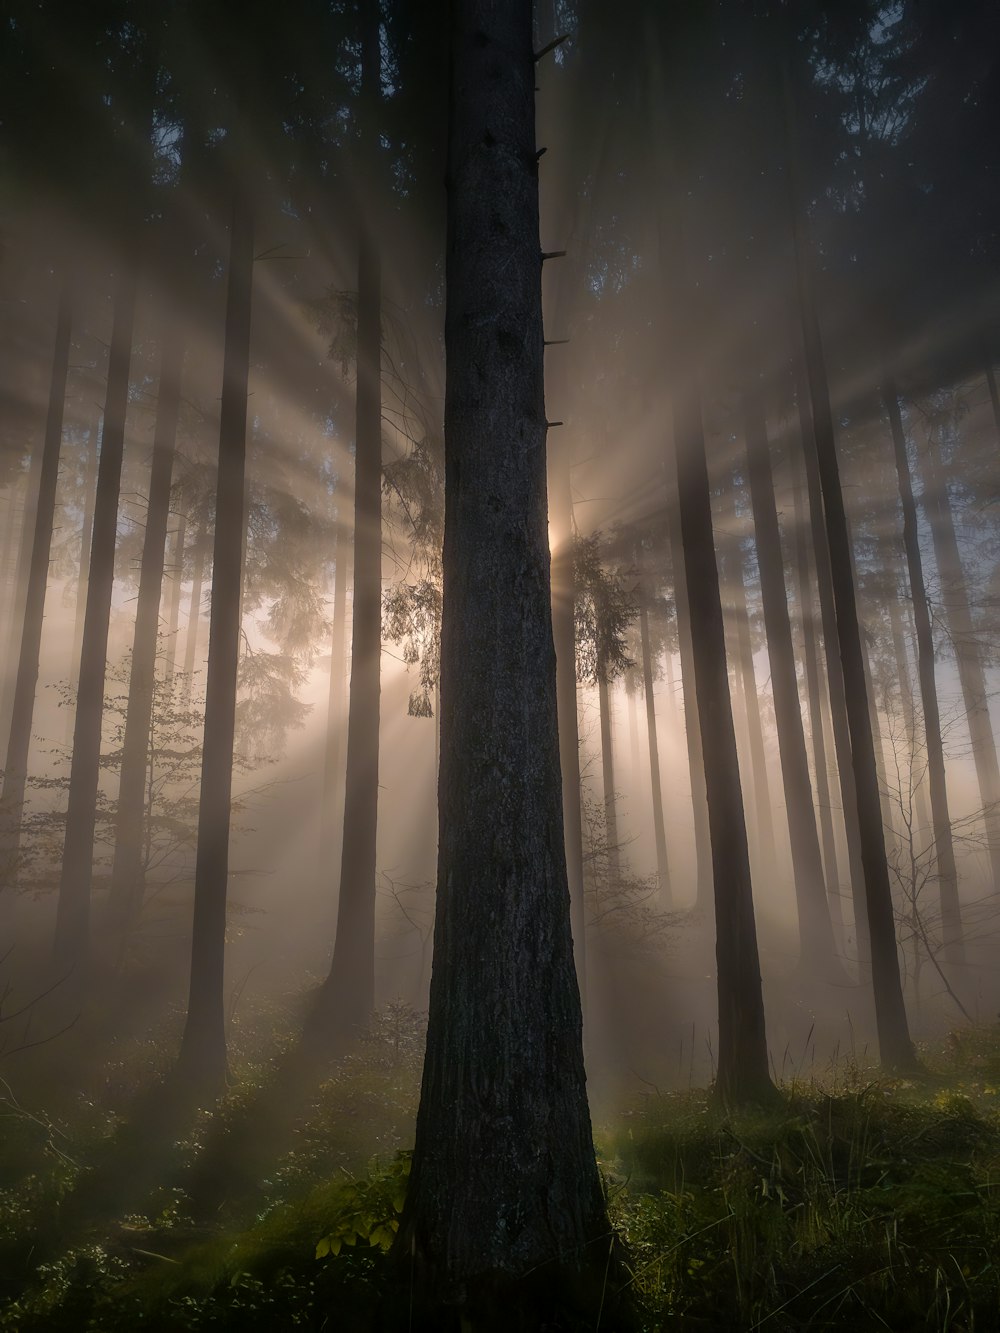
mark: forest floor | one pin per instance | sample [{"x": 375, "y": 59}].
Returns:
[{"x": 859, "y": 1202}]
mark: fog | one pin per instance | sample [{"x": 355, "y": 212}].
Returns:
[{"x": 695, "y": 165}]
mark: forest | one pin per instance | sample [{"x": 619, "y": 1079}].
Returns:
[{"x": 500, "y": 584}]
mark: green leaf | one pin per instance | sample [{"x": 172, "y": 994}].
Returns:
[{"x": 324, "y": 1246}]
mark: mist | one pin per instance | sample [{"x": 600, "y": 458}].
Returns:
[{"x": 235, "y": 444}]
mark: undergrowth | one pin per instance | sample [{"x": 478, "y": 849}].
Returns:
[{"x": 860, "y": 1204}]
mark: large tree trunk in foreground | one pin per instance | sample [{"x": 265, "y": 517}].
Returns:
[
  {"x": 345, "y": 1003},
  {"x": 73, "y": 911},
  {"x": 944, "y": 851},
  {"x": 19, "y": 742},
  {"x": 962, "y": 631},
  {"x": 816, "y": 942},
  {"x": 202, "y": 1060},
  {"x": 127, "y": 872},
  {"x": 504, "y": 1182},
  {"x": 895, "y": 1045}
]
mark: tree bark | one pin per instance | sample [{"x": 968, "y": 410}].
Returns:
[
  {"x": 19, "y": 740},
  {"x": 816, "y": 942},
  {"x": 962, "y": 632},
  {"x": 72, "y": 933},
  {"x": 202, "y": 1060},
  {"x": 503, "y": 1182},
  {"x": 127, "y": 872}
]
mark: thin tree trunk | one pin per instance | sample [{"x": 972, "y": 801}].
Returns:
[
  {"x": 19, "y": 740},
  {"x": 26, "y": 539},
  {"x": 918, "y": 791},
  {"x": 127, "y": 872},
  {"x": 176, "y": 583},
  {"x": 748, "y": 681},
  {"x": 72, "y": 935},
  {"x": 332, "y": 813},
  {"x": 692, "y": 726},
  {"x": 659, "y": 830},
  {"x": 608, "y": 781},
  {"x": 202, "y": 1059},
  {"x": 194, "y": 610},
  {"x": 961, "y": 630},
  {"x": 810, "y": 654},
  {"x": 503, "y": 1182},
  {"x": 742, "y": 1068},
  {"x": 890, "y": 1012},
  {"x": 347, "y": 998},
  {"x": 816, "y": 942},
  {"x": 839, "y": 723},
  {"x": 564, "y": 638},
  {"x": 991, "y": 382},
  {"x": 944, "y": 852},
  {"x": 89, "y": 491}
]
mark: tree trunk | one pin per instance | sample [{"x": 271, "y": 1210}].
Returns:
[
  {"x": 742, "y": 1068},
  {"x": 689, "y": 693},
  {"x": 202, "y": 1059},
  {"x": 127, "y": 873},
  {"x": 890, "y": 1012},
  {"x": 19, "y": 741},
  {"x": 347, "y": 998},
  {"x": 608, "y": 781},
  {"x": 748, "y": 679},
  {"x": 89, "y": 488},
  {"x": 944, "y": 852},
  {"x": 503, "y": 1183},
  {"x": 917, "y": 788},
  {"x": 962, "y": 632},
  {"x": 814, "y": 694},
  {"x": 662, "y": 865},
  {"x": 564, "y": 638},
  {"x": 194, "y": 611},
  {"x": 834, "y": 671},
  {"x": 816, "y": 942},
  {"x": 73, "y": 910},
  {"x": 176, "y": 583},
  {"x": 332, "y": 813}
]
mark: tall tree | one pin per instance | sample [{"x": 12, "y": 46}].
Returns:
[
  {"x": 962, "y": 631},
  {"x": 503, "y": 1182},
  {"x": 347, "y": 997},
  {"x": 72, "y": 935},
  {"x": 816, "y": 942},
  {"x": 19, "y": 741},
  {"x": 895, "y": 1046},
  {"x": 126, "y": 871},
  {"x": 202, "y": 1060}
]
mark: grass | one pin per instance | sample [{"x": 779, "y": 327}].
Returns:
[{"x": 860, "y": 1204}]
